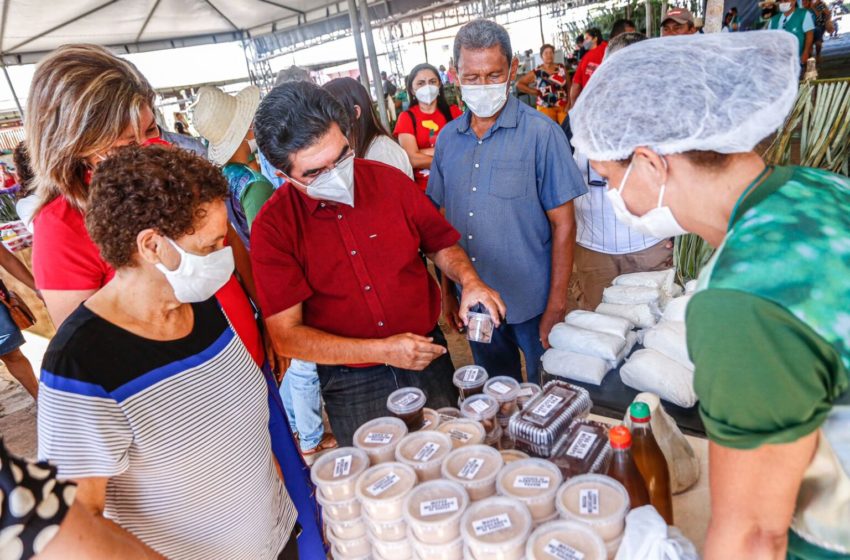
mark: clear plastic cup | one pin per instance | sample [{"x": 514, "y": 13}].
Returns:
[
  {"x": 346, "y": 530},
  {"x": 596, "y": 501},
  {"x": 345, "y": 510},
  {"x": 480, "y": 327},
  {"x": 564, "y": 539},
  {"x": 534, "y": 482},
  {"x": 424, "y": 451},
  {"x": 482, "y": 408},
  {"x": 382, "y": 489},
  {"x": 351, "y": 548},
  {"x": 433, "y": 509},
  {"x": 463, "y": 432},
  {"x": 432, "y": 419},
  {"x": 505, "y": 390},
  {"x": 407, "y": 404},
  {"x": 496, "y": 528},
  {"x": 387, "y": 530},
  {"x": 527, "y": 391},
  {"x": 511, "y": 455},
  {"x": 448, "y": 413},
  {"x": 395, "y": 550},
  {"x": 494, "y": 438},
  {"x": 469, "y": 380},
  {"x": 335, "y": 472},
  {"x": 379, "y": 438},
  {"x": 449, "y": 551},
  {"x": 475, "y": 467}
]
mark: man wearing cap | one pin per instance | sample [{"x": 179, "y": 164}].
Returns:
[
  {"x": 589, "y": 62},
  {"x": 336, "y": 254},
  {"x": 678, "y": 21},
  {"x": 768, "y": 328},
  {"x": 797, "y": 21}
]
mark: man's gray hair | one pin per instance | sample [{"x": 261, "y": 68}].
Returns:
[
  {"x": 623, "y": 40},
  {"x": 482, "y": 34}
]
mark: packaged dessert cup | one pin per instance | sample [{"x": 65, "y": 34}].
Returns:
[
  {"x": 494, "y": 438},
  {"x": 534, "y": 482},
  {"x": 407, "y": 404},
  {"x": 496, "y": 529},
  {"x": 564, "y": 539},
  {"x": 379, "y": 438},
  {"x": 345, "y": 510},
  {"x": 511, "y": 455},
  {"x": 612, "y": 546},
  {"x": 469, "y": 380},
  {"x": 387, "y": 530},
  {"x": 394, "y": 550},
  {"x": 483, "y": 409},
  {"x": 382, "y": 489},
  {"x": 424, "y": 451},
  {"x": 432, "y": 419},
  {"x": 449, "y": 551},
  {"x": 527, "y": 391},
  {"x": 352, "y": 548},
  {"x": 463, "y": 431},
  {"x": 335, "y": 473},
  {"x": 433, "y": 509},
  {"x": 505, "y": 390},
  {"x": 346, "y": 530},
  {"x": 583, "y": 449},
  {"x": 448, "y": 413},
  {"x": 596, "y": 501},
  {"x": 547, "y": 416},
  {"x": 475, "y": 467},
  {"x": 479, "y": 327}
]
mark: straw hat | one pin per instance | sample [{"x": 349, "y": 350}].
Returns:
[{"x": 224, "y": 119}]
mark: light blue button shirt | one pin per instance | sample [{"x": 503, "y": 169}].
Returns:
[{"x": 496, "y": 191}]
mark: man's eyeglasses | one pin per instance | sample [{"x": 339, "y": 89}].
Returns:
[{"x": 349, "y": 155}]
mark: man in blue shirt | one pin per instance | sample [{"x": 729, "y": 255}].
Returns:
[{"x": 504, "y": 174}]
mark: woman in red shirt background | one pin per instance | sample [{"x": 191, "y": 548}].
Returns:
[{"x": 418, "y": 127}]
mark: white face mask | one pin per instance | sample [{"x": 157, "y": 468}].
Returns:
[
  {"x": 198, "y": 277},
  {"x": 658, "y": 222},
  {"x": 427, "y": 94},
  {"x": 335, "y": 185},
  {"x": 485, "y": 101},
  {"x": 785, "y": 7},
  {"x": 252, "y": 145}
]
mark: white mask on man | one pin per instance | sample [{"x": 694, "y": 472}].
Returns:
[
  {"x": 658, "y": 222},
  {"x": 485, "y": 100},
  {"x": 198, "y": 277},
  {"x": 427, "y": 94},
  {"x": 785, "y": 7},
  {"x": 335, "y": 185}
]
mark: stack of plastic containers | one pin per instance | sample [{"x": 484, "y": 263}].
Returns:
[
  {"x": 335, "y": 475},
  {"x": 382, "y": 490},
  {"x": 496, "y": 529},
  {"x": 469, "y": 381},
  {"x": 564, "y": 539},
  {"x": 505, "y": 390},
  {"x": 379, "y": 438},
  {"x": 474, "y": 467},
  {"x": 483, "y": 409},
  {"x": 600, "y": 503},
  {"x": 424, "y": 451},
  {"x": 533, "y": 482},
  {"x": 408, "y": 405},
  {"x": 433, "y": 510},
  {"x": 547, "y": 416}
]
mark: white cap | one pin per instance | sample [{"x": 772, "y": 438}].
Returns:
[
  {"x": 721, "y": 92},
  {"x": 224, "y": 119}
]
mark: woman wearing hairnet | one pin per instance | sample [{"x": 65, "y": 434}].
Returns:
[{"x": 769, "y": 330}]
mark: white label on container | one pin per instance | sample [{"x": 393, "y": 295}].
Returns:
[
  {"x": 527, "y": 392},
  {"x": 460, "y": 435},
  {"x": 547, "y": 405},
  {"x": 342, "y": 466},
  {"x": 471, "y": 468},
  {"x": 562, "y": 551},
  {"x": 479, "y": 406},
  {"x": 588, "y": 501},
  {"x": 426, "y": 451},
  {"x": 531, "y": 482},
  {"x": 471, "y": 374},
  {"x": 491, "y": 524},
  {"x": 383, "y": 484},
  {"x": 378, "y": 437},
  {"x": 500, "y": 388},
  {"x": 407, "y": 399},
  {"x": 436, "y": 507},
  {"x": 582, "y": 444}
]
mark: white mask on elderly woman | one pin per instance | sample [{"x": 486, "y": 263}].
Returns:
[
  {"x": 198, "y": 277},
  {"x": 658, "y": 222}
]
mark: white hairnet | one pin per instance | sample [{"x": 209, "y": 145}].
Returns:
[{"x": 722, "y": 92}]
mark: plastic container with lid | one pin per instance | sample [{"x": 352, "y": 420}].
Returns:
[
  {"x": 482, "y": 408},
  {"x": 346, "y": 530},
  {"x": 470, "y": 380},
  {"x": 547, "y": 416},
  {"x": 613, "y": 546},
  {"x": 583, "y": 449},
  {"x": 534, "y": 482},
  {"x": 597, "y": 501},
  {"x": 335, "y": 472},
  {"x": 407, "y": 404},
  {"x": 433, "y": 509},
  {"x": 424, "y": 451},
  {"x": 351, "y": 548},
  {"x": 382, "y": 489},
  {"x": 564, "y": 540},
  {"x": 496, "y": 528},
  {"x": 432, "y": 419},
  {"x": 344, "y": 510},
  {"x": 527, "y": 391},
  {"x": 475, "y": 467},
  {"x": 394, "y": 550},
  {"x": 448, "y": 413},
  {"x": 448, "y": 551},
  {"x": 387, "y": 530},
  {"x": 505, "y": 390},
  {"x": 479, "y": 327},
  {"x": 379, "y": 438},
  {"x": 463, "y": 432},
  {"x": 511, "y": 455},
  {"x": 494, "y": 438}
]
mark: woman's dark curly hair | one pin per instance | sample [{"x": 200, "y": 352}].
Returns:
[
  {"x": 22, "y": 169},
  {"x": 151, "y": 187}
]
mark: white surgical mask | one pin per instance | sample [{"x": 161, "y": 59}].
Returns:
[
  {"x": 252, "y": 145},
  {"x": 658, "y": 222},
  {"x": 198, "y": 277},
  {"x": 485, "y": 101},
  {"x": 335, "y": 185},
  {"x": 427, "y": 94},
  {"x": 784, "y": 7}
]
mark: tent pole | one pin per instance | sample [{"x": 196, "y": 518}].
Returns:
[
  {"x": 424, "y": 40},
  {"x": 373, "y": 59},
  {"x": 540, "y": 19},
  {"x": 713, "y": 16},
  {"x": 358, "y": 43},
  {"x": 14, "y": 93}
]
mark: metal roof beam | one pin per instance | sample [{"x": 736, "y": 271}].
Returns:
[
  {"x": 221, "y": 14},
  {"x": 285, "y": 7},
  {"x": 147, "y": 20},
  {"x": 61, "y": 25}
]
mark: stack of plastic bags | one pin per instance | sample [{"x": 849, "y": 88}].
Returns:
[
  {"x": 588, "y": 345},
  {"x": 640, "y": 297}
]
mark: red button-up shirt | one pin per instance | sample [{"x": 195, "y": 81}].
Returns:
[{"x": 357, "y": 270}]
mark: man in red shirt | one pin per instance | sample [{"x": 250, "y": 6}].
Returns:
[
  {"x": 337, "y": 264},
  {"x": 589, "y": 62}
]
